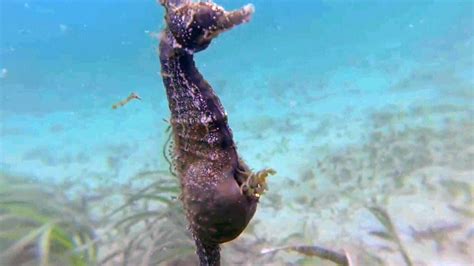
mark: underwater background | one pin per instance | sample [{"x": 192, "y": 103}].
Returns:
[{"x": 364, "y": 108}]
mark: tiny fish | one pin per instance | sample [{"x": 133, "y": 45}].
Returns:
[{"x": 132, "y": 96}]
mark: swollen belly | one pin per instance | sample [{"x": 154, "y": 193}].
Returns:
[{"x": 218, "y": 212}]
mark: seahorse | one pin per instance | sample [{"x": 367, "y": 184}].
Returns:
[{"x": 219, "y": 191}]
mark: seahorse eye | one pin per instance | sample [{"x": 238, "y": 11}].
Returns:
[{"x": 189, "y": 25}]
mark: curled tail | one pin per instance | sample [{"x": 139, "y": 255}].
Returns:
[{"x": 209, "y": 254}]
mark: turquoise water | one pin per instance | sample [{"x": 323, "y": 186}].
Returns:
[{"x": 354, "y": 103}]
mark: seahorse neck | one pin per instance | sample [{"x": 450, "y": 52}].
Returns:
[{"x": 197, "y": 115}]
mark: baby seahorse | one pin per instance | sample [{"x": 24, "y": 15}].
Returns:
[{"x": 219, "y": 192}]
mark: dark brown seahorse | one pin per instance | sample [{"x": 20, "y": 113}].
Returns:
[{"x": 219, "y": 192}]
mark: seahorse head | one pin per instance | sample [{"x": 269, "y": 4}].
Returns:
[{"x": 194, "y": 25}]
